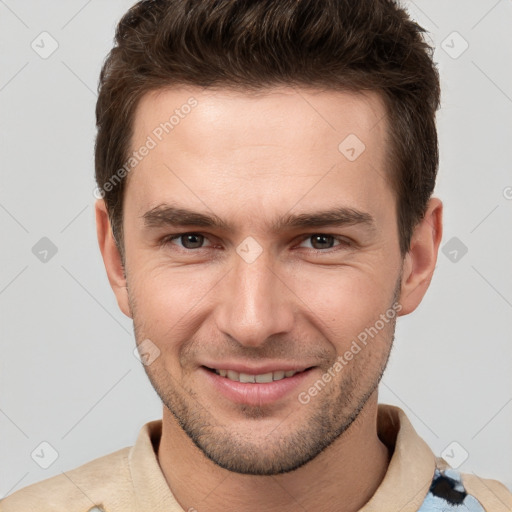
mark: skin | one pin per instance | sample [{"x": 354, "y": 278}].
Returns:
[{"x": 251, "y": 159}]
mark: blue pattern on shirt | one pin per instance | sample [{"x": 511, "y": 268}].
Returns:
[{"x": 447, "y": 494}]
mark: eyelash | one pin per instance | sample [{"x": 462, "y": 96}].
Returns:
[{"x": 342, "y": 241}]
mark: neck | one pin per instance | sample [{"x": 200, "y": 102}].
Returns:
[{"x": 343, "y": 477}]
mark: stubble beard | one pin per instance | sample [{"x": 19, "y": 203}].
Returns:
[{"x": 307, "y": 431}]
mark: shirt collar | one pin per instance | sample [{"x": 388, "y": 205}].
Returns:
[
  {"x": 411, "y": 467},
  {"x": 403, "y": 488},
  {"x": 151, "y": 489}
]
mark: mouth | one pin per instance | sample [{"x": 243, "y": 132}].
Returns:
[
  {"x": 260, "y": 378},
  {"x": 255, "y": 388}
]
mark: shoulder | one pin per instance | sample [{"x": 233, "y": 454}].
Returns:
[
  {"x": 493, "y": 495},
  {"x": 452, "y": 490},
  {"x": 79, "y": 490}
]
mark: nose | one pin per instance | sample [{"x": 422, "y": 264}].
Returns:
[{"x": 254, "y": 302}]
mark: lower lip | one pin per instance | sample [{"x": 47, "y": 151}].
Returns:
[{"x": 257, "y": 394}]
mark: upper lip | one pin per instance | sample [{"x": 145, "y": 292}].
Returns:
[{"x": 260, "y": 369}]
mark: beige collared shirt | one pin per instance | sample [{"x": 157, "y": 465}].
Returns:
[{"x": 130, "y": 480}]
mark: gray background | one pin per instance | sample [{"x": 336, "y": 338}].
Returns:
[{"x": 68, "y": 374}]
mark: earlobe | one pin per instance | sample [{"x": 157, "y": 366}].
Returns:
[
  {"x": 111, "y": 257},
  {"x": 420, "y": 261}
]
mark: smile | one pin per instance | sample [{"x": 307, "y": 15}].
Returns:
[
  {"x": 256, "y": 389},
  {"x": 260, "y": 378}
]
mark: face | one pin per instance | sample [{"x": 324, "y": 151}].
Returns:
[{"x": 261, "y": 246}]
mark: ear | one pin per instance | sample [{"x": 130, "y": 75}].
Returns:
[
  {"x": 420, "y": 261},
  {"x": 111, "y": 257}
]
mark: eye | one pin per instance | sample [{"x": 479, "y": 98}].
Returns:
[
  {"x": 187, "y": 240},
  {"x": 321, "y": 241}
]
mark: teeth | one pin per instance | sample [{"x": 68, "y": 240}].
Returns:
[
  {"x": 278, "y": 375},
  {"x": 261, "y": 378},
  {"x": 232, "y": 375},
  {"x": 245, "y": 377},
  {"x": 264, "y": 377}
]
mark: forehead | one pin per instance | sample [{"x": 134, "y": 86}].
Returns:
[
  {"x": 271, "y": 147},
  {"x": 261, "y": 111}
]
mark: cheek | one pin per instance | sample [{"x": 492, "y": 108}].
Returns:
[
  {"x": 344, "y": 302},
  {"x": 169, "y": 302}
]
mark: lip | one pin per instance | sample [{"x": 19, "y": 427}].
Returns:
[{"x": 255, "y": 394}]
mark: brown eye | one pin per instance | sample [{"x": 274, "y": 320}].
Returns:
[
  {"x": 192, "y": 240},
  {"x": 325, "y": 243},
  {"x": 188, "y": 240},
  {"x": 322, "y": 241}
]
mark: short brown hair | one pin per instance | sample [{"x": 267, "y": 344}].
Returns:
[{"x": 341, "y": 45}]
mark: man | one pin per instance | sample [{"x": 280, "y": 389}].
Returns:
[{"x": 266, "y": 171}]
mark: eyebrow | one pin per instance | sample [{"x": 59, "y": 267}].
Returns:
[{"x": 172, "y": 216}]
